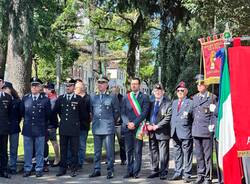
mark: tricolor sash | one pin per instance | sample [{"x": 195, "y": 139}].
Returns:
[{"x": 137, "y": 110}]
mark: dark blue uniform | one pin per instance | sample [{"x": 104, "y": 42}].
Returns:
[
  {"x": 200, "y": 132},
  {"x": 5, "y": 110},
  {"x": 71, "y": 112},
  {"x": 181, "y": 126},
  {"x": 36, "y": 112}
]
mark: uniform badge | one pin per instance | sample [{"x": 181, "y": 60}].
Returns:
[{"x": 184, "y": 115}]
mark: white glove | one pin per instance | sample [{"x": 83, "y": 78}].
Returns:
[
  {"x": 211, "y": 128},
  {"x": 212, "y": 107}
]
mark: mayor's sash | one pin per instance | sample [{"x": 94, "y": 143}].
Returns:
[{"x": 137, "y": 110}]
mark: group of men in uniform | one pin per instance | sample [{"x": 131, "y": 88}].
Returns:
[{"x": 186, "y": 121}]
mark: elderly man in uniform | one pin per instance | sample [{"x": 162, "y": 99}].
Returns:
[
  {"x": 36, "y": 110},
  {"x": 159, "y": 132},
  {"x": 5, "y": 120},
  {"x": 70, "y": 109},
  {"x": 105, "y": 111},
  {"x": 181, "y": 127},
  {"x": 203, "y": 108},
  {"x": 132, "y": 117}
]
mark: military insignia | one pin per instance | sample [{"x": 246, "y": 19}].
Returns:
[
  {"x": 184, "y": 115},
  {"x": 74, "y": 108},
  {"x": 74, "y": 103},
  {"x": 5, "y": 107}
]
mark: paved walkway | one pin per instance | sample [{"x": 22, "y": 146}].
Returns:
[{"x": 87, "y": 169}]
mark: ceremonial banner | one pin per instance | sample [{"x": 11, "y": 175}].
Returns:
[
  {"x": 210, "y": 63},
  {"x": 240, "y": 86}
]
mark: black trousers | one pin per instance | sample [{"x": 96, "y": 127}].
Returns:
[
  {"x": 159, "y": 150},
  {"x": 121, "y": 141},
  {"x": 183, "y": 152},
  {"x": 73, "y": 142},
  {"x": 3, "y": 153},
  {"x": 203, "y": 152}
]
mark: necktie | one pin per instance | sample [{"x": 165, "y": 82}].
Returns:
[
  {"x": 68, "y": 97},
  {"x": 156, "y": 110},
  {"x": 34, "y": 98},
  {"x": 179, "y": 105}
]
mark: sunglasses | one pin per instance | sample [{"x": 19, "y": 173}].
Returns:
[
  {"x": 69, "y": 85},
  {"x": 180, "y": 90},
  {"x": 101, "y": 82}
]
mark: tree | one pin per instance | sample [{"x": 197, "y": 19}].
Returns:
[
  {"x": 20, "y": 40},
  {"x": 4, "y": 4}
]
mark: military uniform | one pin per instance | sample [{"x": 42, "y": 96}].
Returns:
[
  {"x": 181, "y": 127},
  {"x": 105, "y": 111},
  {"x": 200, "y": 132},
  {"x": 70, "y": 109},
  {"x": 5, "y": 110},
  {"x": 36, "y": 110}
]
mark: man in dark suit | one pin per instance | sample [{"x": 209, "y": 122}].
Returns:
[
  {"x": 159, "y": 132},
  {"x": 203, "y": 107},
  {"x": 71, "y": 111},
  {"x": 181, "y": 126},
  {"x": 131, "y": 120}
]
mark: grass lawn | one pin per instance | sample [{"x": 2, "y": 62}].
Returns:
[{"x": 89, "y": 151}]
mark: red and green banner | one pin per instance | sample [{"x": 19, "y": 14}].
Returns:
[
  {"x": 137, "y": 110},
  {"x": 210, "y": 62}
]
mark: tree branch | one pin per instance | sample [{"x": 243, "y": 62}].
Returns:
[{"x": 128, "y": 20}]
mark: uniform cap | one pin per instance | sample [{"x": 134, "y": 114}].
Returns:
[
  {"x": 7, "y": 85},
  {"x": 70, "y": 81},
  {"x": 49, "y": 85},
  {"x": 35, "y": 80},
  {"x": 158, "y": 86},
  {"x": 103, "y": 79},
  {"x": 199, "y": 78}
]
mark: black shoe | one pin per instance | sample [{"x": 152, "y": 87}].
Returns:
[
  {"x": 128, "y": 175},
  {"x": 73, "y": 174},
  {"x": 110, "y": 175},
  {"x": 61, "y": 172},
  {"x": 123, "y": 162},
  {"x": 46, "y": 168},
  {"x": 13, "y": 172},
  {"x": 95, "y": 174},
  {"x": 5, "y": 175},
  {"x": 163, "y": 177},
  {"x": 187, "y": 179},
  {"x": 207, "y": 181},
  {"x": 176, "y": 177},
  {"x": 136, "y": 176},
  {"x": 39, "y": 174},
  {"x": 199, "y": 180},
  {"x": 154, "y": 175},
  {"x": 26, "y": 174}
]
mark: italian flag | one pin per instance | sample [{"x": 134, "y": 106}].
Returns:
[{"x": 227, "y": 154}]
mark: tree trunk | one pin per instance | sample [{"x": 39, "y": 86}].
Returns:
[
  {"x": 19, "y": 55},
  {"x": 134, "y": 42},
  {"x": 3, "y": 34}
]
